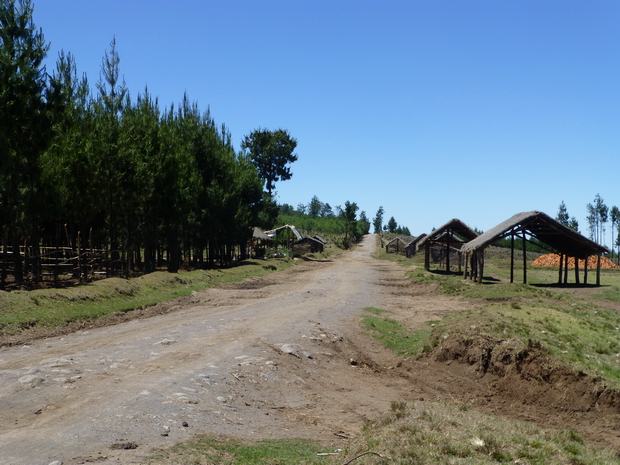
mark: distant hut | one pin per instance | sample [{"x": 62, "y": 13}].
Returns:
[
  {"x": 320, "y": 239},
  {"x": 292, "y": 234},
  {"x": 307, "y": 245},
  {"x": 412, "y": 247},
  {"x": 546, "y": 230},
  {"x": 396, "y": 245},
  {"x": 447, "y": 242},
  {"x": 260, "y": 242}
]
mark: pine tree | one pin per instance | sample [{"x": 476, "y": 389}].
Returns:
[{"x": 25, "y": 124}]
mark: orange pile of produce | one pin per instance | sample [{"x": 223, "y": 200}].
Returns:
[{"x": 553, "y": 259}]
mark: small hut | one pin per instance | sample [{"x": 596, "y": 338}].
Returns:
[
  {"x": 260, "y": 241},
  {"x": 307, "y": 245}
]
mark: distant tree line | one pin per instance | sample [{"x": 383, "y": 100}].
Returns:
[
  {"x": 598, "y": 215},
  {"x": 391, "y": 226},
  {"x": 320, "y": 218},
  {"x": 152, "y": 187}
]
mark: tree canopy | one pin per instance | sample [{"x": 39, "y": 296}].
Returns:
[
  {"x": 272, "y": 153},
  {"x": 146, "y": 187}
]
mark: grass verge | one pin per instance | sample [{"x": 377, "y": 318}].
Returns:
[
  {"x": 392, "y": 334},
  {"x": 572, "y": 326},
  {"x": 223, "y": 451},
  {"x": 45, "y": 308}
]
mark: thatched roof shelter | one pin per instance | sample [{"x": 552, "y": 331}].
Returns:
[
  {"x": 545, "y": 229},
  {"x": 257, "y": 234},
  {"x": 449, "y": 235},
  {"x": 412, "y": 247},
  {"x": 397, "y": 244}
]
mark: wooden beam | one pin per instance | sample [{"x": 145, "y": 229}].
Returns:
[
  {"x": 585, "y": 272},
  {"x": 598, "y": 270},
  {"x": 561, "y": 263}
]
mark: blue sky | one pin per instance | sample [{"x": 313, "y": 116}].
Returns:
[{"x": 433, "y": 109}]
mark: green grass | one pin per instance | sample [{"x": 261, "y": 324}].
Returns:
[
  {"x": 391, "y": 334},
  {"x": 579, "y": 331},
  {"x": 222, "y": 451},
  {"x": 21, "y": 310}
]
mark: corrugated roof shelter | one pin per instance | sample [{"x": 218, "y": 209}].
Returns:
[
  {"x": 451, "y": 235},
  {"x": 536, "y": 224},
  {"x": 293, "y": 229}
]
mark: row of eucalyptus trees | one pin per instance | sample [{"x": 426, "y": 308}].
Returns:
[{"x": 150, "y": 186}]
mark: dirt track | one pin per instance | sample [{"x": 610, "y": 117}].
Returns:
[{"x": 270, "y": 357}]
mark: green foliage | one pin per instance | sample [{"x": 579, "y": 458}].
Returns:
[
  {"x": 377, "y": 222},
  {"x": 344, "y": 229},
  {"x": 26, "y": 101},
  {"x": 271, "y": 152},
  {"x": 122, "y": 175},
  {"x": 391, "y": 225}
]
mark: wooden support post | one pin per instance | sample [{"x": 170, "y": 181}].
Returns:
[
  {"x": 598, "y": 270},
  {"x": 466, "y": 264},
  {"x": 576, "y": 270},
  {"x": 585, "y": 271},
  {"x": 524, "y": 258},
  {"x": 427, "y": 257},
  {"x": 480, "y": 266},
  {"x": 448, "y": 252},
  {"x": 561, "y": 263},
  {"x": 512, "y": 258}
]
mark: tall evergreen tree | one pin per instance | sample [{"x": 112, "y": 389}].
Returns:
[
  {"x": 563, "y": 216},
  {"x": 614, "y": 218},
  {"x": 350, "y": 218},
  {"x": 25, "y": 124},
  {"x": 392, "y": 225},
  {"x": 597, "y": 218},
  {"x": 314, "y": 207},
  {"x": 377, "y": 222}
]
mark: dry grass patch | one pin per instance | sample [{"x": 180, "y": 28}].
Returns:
[{"x": 433, "y": 433}]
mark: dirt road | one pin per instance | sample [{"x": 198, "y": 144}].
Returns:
[{"x": 270, "y": 357}]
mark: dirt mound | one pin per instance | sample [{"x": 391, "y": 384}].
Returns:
[
  {"x": 527, "y": 373},
  {"x": 553, "y": 259}
]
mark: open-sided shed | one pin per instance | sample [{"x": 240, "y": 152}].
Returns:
[
  {"x": 565, "y": 241},
  {"x": 395, "y": 245},
  {"x": 451, "y": 235}
]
